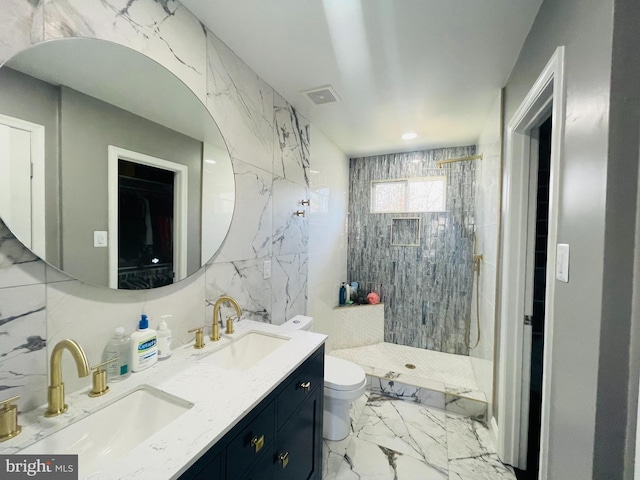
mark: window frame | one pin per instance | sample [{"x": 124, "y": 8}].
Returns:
[{"x": 406, "y": 182}]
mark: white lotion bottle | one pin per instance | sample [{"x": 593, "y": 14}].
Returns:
[
  {"x": 164, "y": 339},
  {"x": 144, "y": 346}
]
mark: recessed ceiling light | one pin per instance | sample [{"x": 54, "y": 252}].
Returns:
[{"x": 409, "y": 136}]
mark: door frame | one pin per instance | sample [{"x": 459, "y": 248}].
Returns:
[
  {"x": 37, "y": 242},
  {"x": 180, "y": 199},
  {"x": 547, "y": 94}
]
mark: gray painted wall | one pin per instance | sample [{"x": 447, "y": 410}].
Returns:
[
  {"x": 426, "y": 289},
  {"x": 88, "y": 127},
  {"x": 36, "y": 101},
  {"x": 619, "y": 364},
  {"x": 591, "y": 330}
]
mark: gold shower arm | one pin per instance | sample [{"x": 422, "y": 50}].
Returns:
[{"x": 461, "y": 159}]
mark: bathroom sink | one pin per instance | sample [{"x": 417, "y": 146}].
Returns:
[
  {"x": 112, "y": 431},
  {"x": 246, "y": 351}
]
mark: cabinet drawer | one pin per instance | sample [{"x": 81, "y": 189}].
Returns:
[
  {"x": 251, "y": 443},
  {"x": 300, "y": 441},
  {"x": 263, "y": 470},
  {"x": 310, "y": 373}
]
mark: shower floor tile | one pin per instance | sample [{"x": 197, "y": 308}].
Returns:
[
  {"x": 402, "y": 440},
  {"x": 449, "y": 369}
]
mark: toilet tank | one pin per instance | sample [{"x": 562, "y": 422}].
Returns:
[{"x": 299, "y": 322}]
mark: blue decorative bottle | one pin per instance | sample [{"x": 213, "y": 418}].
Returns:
[{"x": 343, "y": 295}]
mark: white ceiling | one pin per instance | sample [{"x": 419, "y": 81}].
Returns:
[{"x": 433, "y": 67}]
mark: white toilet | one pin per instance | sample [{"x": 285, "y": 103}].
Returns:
[{"x": 344, "y": 382}]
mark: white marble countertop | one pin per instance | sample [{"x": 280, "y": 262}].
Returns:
[{"x": 221, "y": 399}]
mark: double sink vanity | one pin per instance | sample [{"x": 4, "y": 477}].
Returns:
[{"x": 246, "y": 407}]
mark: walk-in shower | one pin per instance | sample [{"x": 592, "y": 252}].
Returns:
[{"x": 433, "y": 285}]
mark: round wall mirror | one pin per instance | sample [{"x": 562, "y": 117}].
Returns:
[{"x": 113, "y": 171}]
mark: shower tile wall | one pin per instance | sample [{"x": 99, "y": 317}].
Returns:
[
  {"x": 270, "y": 149},
  {"x": 426, "y": 289}
]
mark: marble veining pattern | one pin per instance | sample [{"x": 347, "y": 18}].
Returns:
[
  {"x": 426, "y": 289},
  {"x": 290, "y": 231},
  {"x": 251, "y": 237},
  {"x": 289, "y": 287},
  {"x": 162, "y": 29},
  {"x": 291, "y": 158},
  {"x": 22, "y": 26},
  {"x": 242, "y": 104},
  {"x": 400, "y": 440},
  {"x": 453, "y": 370},
  {"x": 23, "y": 352},
  {"x": 441, "y": 380},
  {"x": 18, "y": 266},
  {"x": 243, "y": 281},
  {"x": 398, "y": 388}
]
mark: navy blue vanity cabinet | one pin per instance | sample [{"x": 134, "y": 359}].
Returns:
[
  {"x": 298, "y": 451},
  {"x": 251, "y": 443},
  {"x": 209, "y": 467},
  {"x": 299, "y": 441},
  {"x": 280, "y": 439}
]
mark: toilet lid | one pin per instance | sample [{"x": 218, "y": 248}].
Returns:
[{"x": 342, "y": 375}]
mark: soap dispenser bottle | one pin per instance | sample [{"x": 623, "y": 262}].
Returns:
[
  {"x": 164, "y": 339},
  {"x": 144, "y": 346},
  {"x": 118, "y": 347},
  {"x": 342, "y": 299}
]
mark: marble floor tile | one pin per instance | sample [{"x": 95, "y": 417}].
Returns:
[
  {"x": 403, "y": 440},
  {"x": 406, "y": 428},
  {"x": 333, "y": 456},
  {"x": 471, "y": 451},
  {"x": 366, "y": 460}
]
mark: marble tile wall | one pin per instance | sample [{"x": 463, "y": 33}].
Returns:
[
  {"x": 269, "y": 144},
  {"x": 426, "y": 289}
]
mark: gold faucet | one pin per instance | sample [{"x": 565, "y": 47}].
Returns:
[
  {"x": 56, "y": 388},
  {"x": 215, "y": 329}
]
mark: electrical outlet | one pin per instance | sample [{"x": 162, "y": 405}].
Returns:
[{"x": 266, "y": 269}]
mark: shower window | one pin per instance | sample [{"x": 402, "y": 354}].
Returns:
[{"x": 425, "y": 194}]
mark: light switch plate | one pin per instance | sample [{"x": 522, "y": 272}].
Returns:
[
  {"x": 562, "y": 262},
  {"x": 100, "y": 239}
]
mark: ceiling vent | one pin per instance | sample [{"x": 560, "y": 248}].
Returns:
[{"x": 322, "y": 95}]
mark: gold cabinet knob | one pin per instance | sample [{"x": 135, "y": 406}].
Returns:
[
  {"x": 9, "y": 427},
  {"x": 306, "y": 386},
  {"x": 199, "y": 337},
  {"x": 283, "y": 458},
  {"x": 257, "y": 443}
]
